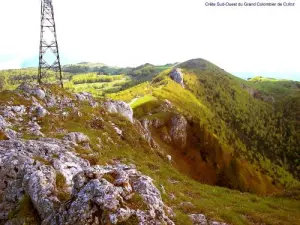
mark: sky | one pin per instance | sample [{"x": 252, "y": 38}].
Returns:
[{"x": 245, "y": 41}]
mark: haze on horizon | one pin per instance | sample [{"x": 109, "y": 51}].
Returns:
[{"x": 243, "y": 41}]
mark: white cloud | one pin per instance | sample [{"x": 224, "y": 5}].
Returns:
[
  {"x": 16, "y": 64},
  {"x": 133, "y": 32}
]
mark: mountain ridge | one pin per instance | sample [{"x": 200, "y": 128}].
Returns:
[{"x": 192, "y": 127}]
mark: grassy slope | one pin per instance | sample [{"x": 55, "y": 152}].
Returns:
[
  {"x": 275, "y": 87},
  {"x": 218, "y": 101},
  {"x": 217, "y": 203}
]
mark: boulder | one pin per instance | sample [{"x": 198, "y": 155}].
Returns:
[
  {"x": 34, "y": 128},
  {"x": 19, "y": 109},
  {"x": 198, "y": 219},
  {"x": 119, "y": 107},
  {"x": 169, "y": 158},
  {"x": 77, "y": 138},
  {"x": 99, "y": 194},
  {"x": 85, "y": 96},
  {"x": 4, "y": 123},
  {"x": 32, "y": 89},
  {"x": 177, "y": 76},
  {"x": 41, "y": 111}
]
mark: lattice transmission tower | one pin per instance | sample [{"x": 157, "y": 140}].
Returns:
[{"x": 49, "y": 55}]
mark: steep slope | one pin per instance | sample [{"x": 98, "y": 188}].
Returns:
[
  {"x": 62, "y": 136},
  {"x": 236, "y": 134}
]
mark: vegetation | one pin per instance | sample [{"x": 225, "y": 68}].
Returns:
[
  {"x": 235, "y": 140},
  {"x": 25, "y": 213},
  {"x": 244, "y": 126},
  {"x": 94, "y": 78},
  {"x": 62, "y": 187}
]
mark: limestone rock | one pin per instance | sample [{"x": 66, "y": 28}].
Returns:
[
  {"x": 19, "y": 109},
  {"x": 99, "y": 194},
  {"x": 35, "y": 129},
  {"x": 169, "y": 158},
  {"x": 198, "y": 219},
  {"x": 85, "y": 96},
  {"x": 4, "y": 123},
  {"x": 177, "y": 76},
  {"x": 10, "y": 134},
  {"x": 32, "y": 89},
  {"x": 119, "y": 107},
  {"x": 41, "y": 111},
  {"x": 178, "y": 131},
  {"x": 77, "y": 138},
  {"x": 39, "y": 184},
  {"x": 165, "y": 137}
]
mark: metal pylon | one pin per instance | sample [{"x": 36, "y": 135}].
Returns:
[{"x": 49, "y": 54}]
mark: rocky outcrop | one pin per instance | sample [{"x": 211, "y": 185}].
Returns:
[
  {"x": 178, "y": 131},
  {"x": 200, "y": 219},
  {"x": 85, "y": 96},
  {"x": 77, "y": 138},
  {"x": 6, "y": 131},
  {"x": 35, "y": 129},
  {"x": 4, "y": 123},
  {"x": 31, "y": 89},
  {"x": 119, "y": 107},
  {"x": 177, "y": 76},
  {"x": 99, "y": 195}
]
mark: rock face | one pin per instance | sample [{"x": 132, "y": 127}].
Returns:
[
  {"x": 177, "y": 76},
  {"x": 178, "y": 131},
  {"x": 119, "y": 107},
  {"x": 99, "y": 195}
]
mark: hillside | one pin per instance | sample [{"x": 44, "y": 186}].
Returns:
[
  {"x": 218, "y": 148},
  {"x": 96, "y": 78},
  {"x": 40, "y": 123},
  {"x": 242, "y": 118}
]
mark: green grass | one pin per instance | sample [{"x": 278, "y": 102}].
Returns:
[
  {"x": 278, "y": 88},
  {"x": 226, "y": 114},
  {"x": 142, "y": 100},
  {"x": 239, "y": 121},
  {"x": 61, "y": 186},
  {"x": 217, "y": 203}
]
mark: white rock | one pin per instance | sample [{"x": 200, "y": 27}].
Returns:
[
  {"x": 177, "y": 76},
  {"x": 3, "y": 123},
  {"x": 169, "y": 158},
  {"x": 119, "y": 107}
]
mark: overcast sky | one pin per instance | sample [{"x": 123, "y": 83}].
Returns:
[{"x": 254, "y": 41}]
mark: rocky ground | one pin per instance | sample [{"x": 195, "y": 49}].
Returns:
[{"x": 60, "y": 185}]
